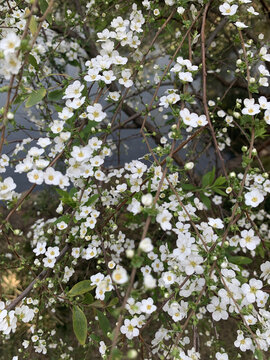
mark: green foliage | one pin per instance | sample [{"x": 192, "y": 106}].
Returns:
[
  {"x": 66, "y": 197},
  {"x": 79, "y": 324},
  {"x": 35, "y": 97},
  {"x": 103, "y": 322},
  {"x": 240, "y": 260},
  {"x": 81, "y": 288},
  {"x": 56, "y": 95}
]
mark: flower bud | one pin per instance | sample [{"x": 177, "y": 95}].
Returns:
[
  {"x": 146, "y": 245},
  {"x": 147, "y": 199},
  {"x": 129, "y": 253},
  {"x": 189, "y": 166},
  {"x": 10, "y": 115},
  {"x": 236, "y": 114},
  {"x": 254, "y": 152}
]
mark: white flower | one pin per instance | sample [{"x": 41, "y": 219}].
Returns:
[
  {"x": 120, "y": 275},
  {"x": 57, "y": 126},
  {"x": 146, "y": 245},
  {"x": 102, "y": 347},
  {"x": 240, "y": 25},
  {"x": 252, "y": 290},
  {"x": 114, "y": 95},
  {"x": 192, "y": 264},
  {"x": 40, "y": 248},
  {"x": 147, "y": 306},
  {"x": 227, "y": 9},
  {"x": 129, "y": 328},
  {"x": 243, "y": 343},
  {"x": 95, "y": 112},
  {"x": 252, "y": 11},
  {"x": 74, "y": 90},
  {"x": 52, "y": 252},
  {"x": 76, "y": 252},
  {"x": 267, "y": 116},
  {"x": 163, "y": 219},
  {"x": 81, "y": 153},
  {"x": 108, "y": 77},
  {"x": 93, "y": 75},
  {"x": 134, "y": 206},
  {"x": 265, "y": 268},
  {"x": 147, "y": 199},
  {"x": 180, "y": 10},
  {"x": 51, "y": 177},
  {"x": 10, "y": 43},
  {"x": 254, "y": 198},
  {"x": 36, "y": 176},
  {"x": 248, "y": 240},
  {"x": 61, "y": 225},
  {"x": 216, "y": 223},
  {"x": 250, "y": 107},
  {"x": 49, "y": 262},
  {"x": 149, "y": 281},
  {"x": 3, "y": 311},
  {"x": 7, "y": 186},
  {"x": 185, "y": 76},
  {"x": 221, "y": 356},
  {"x": 190, "y": 119},
  {"x": 218, "y": 309},
  {"x": 43, "y": 142},
  {"x": 168, "y": 277}
]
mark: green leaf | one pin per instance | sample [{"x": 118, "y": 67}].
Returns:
[
  {"x": 35, "y": 97},
  {"x": 205, "y": 200},
  {"x": 113, "y": 302},
  {"x": 259, "y": 354},
  {"x": 66, "y": 197},
  {"x": 33, "y": 61},
  {"x": 137, "y": 261},
  {"x": 43, "y": 7},
  {"x": 98, "y": 304},
  {"x": 219, "y": 181},
  {"x": 81, "y": 288},
  {"x": 208, "y": 178},
  {"x": 220, "y": 192},
  {"x": 64, "y": 218},
  {"x": 56, "y": 95},
  {"x": 33, "y": 25},
  {"x": 92, "y": 199},
  {"x": 239, "y": 260},
  {"x": 88, "y": 299},
  {"x": 103, "y": 322},
  {"x": 20, "y": 98},
  {"x": 188, "y": 187},
  {"x": 95, "y": 337},
  {"x": 79, "y": 324}
]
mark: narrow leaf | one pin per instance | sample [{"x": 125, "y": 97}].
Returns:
[
  {"x": 33, "y": 61},
  {"x": 33, "y": 25},
  {"x": 205, "y": 200},
  {"x": 239, "y": 260},
  {"x": 92, "y": 199},
  {"x": 104, "y": 322},
  {"x": 79, "y": 324}
]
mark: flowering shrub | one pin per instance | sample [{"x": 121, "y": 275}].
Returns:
[{"x": 154, "y": 256}]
